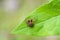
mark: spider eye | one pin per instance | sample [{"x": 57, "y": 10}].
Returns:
[
  {"x": 31, "y": 20},
  {"x": 28, "y": 20}
]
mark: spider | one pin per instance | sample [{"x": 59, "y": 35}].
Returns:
[{"x": 30, "y": 23}]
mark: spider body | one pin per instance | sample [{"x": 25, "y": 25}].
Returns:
[{"x": 30, "y": 23}]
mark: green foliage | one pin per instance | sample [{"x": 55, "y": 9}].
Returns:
[{"x": 46, "y": 21}]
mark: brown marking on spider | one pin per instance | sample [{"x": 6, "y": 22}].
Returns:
[{"x": 30, "y": 23}]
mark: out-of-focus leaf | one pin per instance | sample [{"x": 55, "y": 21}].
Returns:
[{"x": 46, "y": 21}]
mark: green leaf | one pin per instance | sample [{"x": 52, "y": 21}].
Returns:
[{"x": 46, "y": 21}]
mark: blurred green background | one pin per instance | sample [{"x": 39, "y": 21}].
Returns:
[{"x": 11, "y": 14}]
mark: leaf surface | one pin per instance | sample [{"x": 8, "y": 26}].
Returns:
[{"x": 46, "y": 21}]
